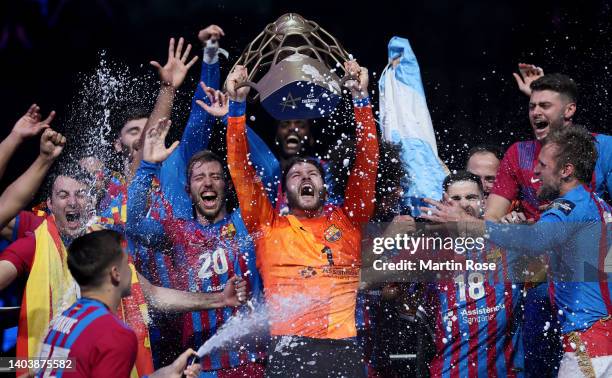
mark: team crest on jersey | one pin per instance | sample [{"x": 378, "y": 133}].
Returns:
[
  {"x": 333, "y": 233},
  {"x": 562, "y": 205},
  {"x": 308, "y": 272},
  {"x": 228, "y": 231}
]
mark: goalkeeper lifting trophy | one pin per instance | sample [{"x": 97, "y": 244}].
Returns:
[{"x": 292, "y": 66}]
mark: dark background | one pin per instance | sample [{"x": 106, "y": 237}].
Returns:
[{"x": 50, "y": 49}]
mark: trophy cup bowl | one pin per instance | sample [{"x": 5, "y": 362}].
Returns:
[{"x": 289, "y": 68}]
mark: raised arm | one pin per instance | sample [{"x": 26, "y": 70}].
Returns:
[
  {"x": 360, "y": 193},
  {"x": 170, "y": 300},
  {"x": 171, "y": 76},
  {"x": 255, "y": 206},
  {"x": 146, "y": 229},
  {"x": 264, "y": 161},
  {"x": 199, "y": 126},
  {"x": 196, "y": 136},
  {"x": 20, "y": 193},
  {"x": 528, "y": 74},
  {"x": 536, "y": 240},
  {"x": 29, "y": 125}
]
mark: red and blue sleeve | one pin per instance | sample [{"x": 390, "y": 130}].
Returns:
[
  {"x": 506, "y": 183},
  {"x": 21, "y": 254}
]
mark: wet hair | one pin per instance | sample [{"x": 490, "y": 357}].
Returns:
[
  {"x": 576, "y": 146},
  {"x": 559, "y": 83},
  {"x": 205, "y": 156},
  {"x": 484, "y": 148},
  {"x": 462, "y": 176},
  {"x": 127, "y": 114},
  {"x": 391, "y": 171},
  {"x": 302, "y": 159},
  {"x": 71, "y": 170},
  {"x": 91, "y": 254}
]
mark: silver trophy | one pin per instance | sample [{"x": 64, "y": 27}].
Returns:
[{"x": 293, "y": 65}]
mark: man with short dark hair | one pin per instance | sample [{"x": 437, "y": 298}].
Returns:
[
  {"x": 552, "y": 106},
  {"x": 89, "y": 332},
  {"x": 465, "y": 189}
]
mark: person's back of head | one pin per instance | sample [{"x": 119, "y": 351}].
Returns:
[{"x": 97, "y": 260}]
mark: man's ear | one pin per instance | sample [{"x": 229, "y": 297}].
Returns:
[
  {"x": 570, "y": 110},
  {"x": 115, "y": 275},
  {"x": 568, "y": 171},
  {"x": 49, "y": 204},
  {"x": 117, "y": 145}
]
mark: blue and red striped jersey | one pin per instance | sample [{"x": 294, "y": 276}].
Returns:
[
  {"x": 477, "y": 321},
  {"x": 99, "y": 343},
  {"x": 203, "y": 257}
]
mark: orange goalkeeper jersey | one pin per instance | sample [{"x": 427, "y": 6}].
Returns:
[{"x": 309, "y": 266}]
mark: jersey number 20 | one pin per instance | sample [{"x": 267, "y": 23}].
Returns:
[{"x": 217, "y": 261}]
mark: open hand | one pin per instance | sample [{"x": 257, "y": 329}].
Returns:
[
  {"x": 30, "y": 123},
  {"x": 219, "y": 101},
  {"x": 443, "y": 212},
  {"x": 528, "y": 74},
  {"x": 154, "y": 150},
  {"x": 174, "y": 71}
]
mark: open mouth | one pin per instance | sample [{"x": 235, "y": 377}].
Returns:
[
  {"x": 307, "y": 190},
  {"x": 72, "y": 216},
  {"x": 209, "y": 198},
  {"x": 541, "y": 124},
  {"x": 292, "y": 141}
]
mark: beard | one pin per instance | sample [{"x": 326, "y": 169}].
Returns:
[
  {"x": 549, "y": 192},
  {"x": 293, "y": 201}
]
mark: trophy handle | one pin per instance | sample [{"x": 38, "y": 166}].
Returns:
[{"x": 248, "y": 84}]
